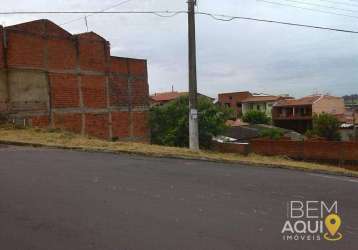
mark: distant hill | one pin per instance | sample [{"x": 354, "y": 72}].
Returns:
[{"x": 351, "y": 99}]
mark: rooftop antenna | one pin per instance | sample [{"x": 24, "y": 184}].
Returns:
[{"x": 86, "y": 23}]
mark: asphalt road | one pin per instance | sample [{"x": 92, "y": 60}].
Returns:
[{"x": 55, "y": 199}]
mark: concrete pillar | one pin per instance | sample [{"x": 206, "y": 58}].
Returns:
[
  {"x": 244, "y": 108},
  {"x": 6, "y": 70},
  {"x": 108, "y": 94},
  {"x": 130, "y": 99},
  {"x": 79, "y": 85},
  {"x": 47, "y": 69}
]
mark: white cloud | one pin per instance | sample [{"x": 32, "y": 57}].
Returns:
[{"x": 238, "y": 55}]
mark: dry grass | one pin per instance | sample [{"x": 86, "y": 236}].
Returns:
[{"x": 62, "y": 139}]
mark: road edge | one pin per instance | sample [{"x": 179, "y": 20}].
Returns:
[{"x": 169, "y": 156}]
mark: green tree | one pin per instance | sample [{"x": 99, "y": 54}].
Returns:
[
  {"x": 325, "y": 126},
  {"x": 256, "y": 117},
  {"x": 169, "y": 123}
]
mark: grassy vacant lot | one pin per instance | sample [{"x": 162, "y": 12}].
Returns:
[{"x": 60, "y": 139}]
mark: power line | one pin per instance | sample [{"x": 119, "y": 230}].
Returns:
[
  {"x": 218, "y": 17},
  {"x": 319, "y": 5},
  {"x": 309, "y": 9},
  {"x": 227, "y": 18},
  {"x": 164, "y": 14},
  {"x": 103, "y": 10},
  {"x": 157, "y": 13},
  {"x": 342, "y": 3},
  {"x": 168, "y": 14},
  {"x": 90, "y": 12}
]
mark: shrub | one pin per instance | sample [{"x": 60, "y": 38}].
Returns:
[
  {"x": 325, "y": 126},
  {"x": 256, "y": 117}
]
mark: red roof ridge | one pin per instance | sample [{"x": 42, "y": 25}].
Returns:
[
  {"x": 306, "y": 100},
  {"x": 237, "y": 92},
  {"x": 261, "y": 98},
  {"x": 167, "y": 96}
]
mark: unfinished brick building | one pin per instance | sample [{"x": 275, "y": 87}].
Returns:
[{"x": 51, "y": 78}]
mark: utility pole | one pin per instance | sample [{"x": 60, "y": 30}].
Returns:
[{"x": 193, "y": 112}]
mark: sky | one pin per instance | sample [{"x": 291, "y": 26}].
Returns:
[{"x": 231, "y": 56}]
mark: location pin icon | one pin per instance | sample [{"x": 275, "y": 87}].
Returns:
[{"x": 332, "y": 222}]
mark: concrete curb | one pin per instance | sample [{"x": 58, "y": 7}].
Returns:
[{"x": 263, "y": 165}]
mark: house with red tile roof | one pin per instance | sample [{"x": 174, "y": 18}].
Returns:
[
  {"x": 165, "y": 97},
  {"x": 260, "y": 102},
  {"x": 297, "y": 114}
]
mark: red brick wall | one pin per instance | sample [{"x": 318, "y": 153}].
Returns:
[
  {"x": 118, "y": 91},
  {"x": 64, "y": 91},
  {"x": 307, "y": 150},
  {"x": 322, "y": 150},
  {"x": 94, "y": 91},
  {"x": 350, "y": 151},
  {"x": 77, "y": 68},
  {"x": 137, "y": 67},
  {"x": 1, "y": 48},
  {"x": 61, "y": 54},
  {"x": 54, "y": 30},
  {"x": 25, "y": 50},
  {"x": 269, "y": 147},
  {"x": 119, "y": 65},
  {"x": 3, "y": 104},
  {"x": 120, "y": 124},
  {"x": 70, "y": 122},
  {"x": 302, "y": 150},
  {"x": 97, "y": 125},
  {"x": 92, "y": 53},
  {"x": 139, "y": 92},
  {"x": 39, "y": 121},
  {"x": 233, "y": 99},
  {"x": 36, "y": 27},
  {"x": 140, "y": 124},
  {"x": 243, "y": 149}
]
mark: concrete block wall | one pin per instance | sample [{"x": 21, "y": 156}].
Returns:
[{"x": 51, "y": 78}]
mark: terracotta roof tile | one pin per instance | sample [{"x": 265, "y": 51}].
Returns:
[
  {"x": 307, "y": 100},
  {"x": 167, "y": 96},
  {"x": 262, "y": 99}
]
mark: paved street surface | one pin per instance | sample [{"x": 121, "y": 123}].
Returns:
[{"x": 54, "y": 199}]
